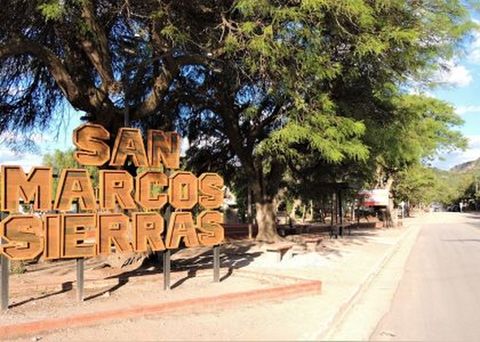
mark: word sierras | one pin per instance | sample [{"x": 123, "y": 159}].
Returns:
[{"x": 64, "y": 236}]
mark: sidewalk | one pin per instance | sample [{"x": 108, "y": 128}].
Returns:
[{"x": 343, "y": 267}]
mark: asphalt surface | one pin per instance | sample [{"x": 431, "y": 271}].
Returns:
[{"x": 438, "y": 298}]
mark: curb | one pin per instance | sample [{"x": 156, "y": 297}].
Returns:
[
  {"x": 363, "y": 286},
  {"x": 188, "y": 305}
]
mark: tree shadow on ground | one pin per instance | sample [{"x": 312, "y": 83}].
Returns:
[
  {"x": 461, "y": 240},
  {"x": 66, "y": 286},
  {"x": 232, "y": 257}
]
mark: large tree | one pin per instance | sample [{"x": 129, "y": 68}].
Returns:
[{"x": 260, "y": 84}]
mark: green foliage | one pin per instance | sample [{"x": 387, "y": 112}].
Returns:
[
  {"x": 61, "y": 160},
  {"x": 268, "y": 92},
  {"x": 421, "y": 128},
  {"x": 52, "y": 10},
  {"x": 333, "y": 138},
  {"x": 424, "y": 185},
  {"x": 463, "y": 182},
  {"x": 418, "y": 185}
]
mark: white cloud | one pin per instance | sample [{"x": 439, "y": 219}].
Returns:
[
  {"x": 25, "y": 160},
  {"x": 455, "y": 75},
  {"x": 474, "y": 51},
  {"x": 457, "y": 157},
  {"x": 462, "y": 110},
  {"x": 185, "y": 145}
]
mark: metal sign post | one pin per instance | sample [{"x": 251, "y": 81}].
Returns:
[
  {"x": 80, "y": 278},
  {"x": 216, "y": 263},
  {"x": 4, "y": 275},
  {"x": 4, "y": 270},
  {"x": 80, "y": 264},
  {"x": 167, "y": 253},
  {"x": 166, "y": 269}
]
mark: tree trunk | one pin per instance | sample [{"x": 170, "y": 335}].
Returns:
[
  {"x": 293, "y": 212},
  {"x": 390, "y": 207},
  {"x": 265, "y": 216}
]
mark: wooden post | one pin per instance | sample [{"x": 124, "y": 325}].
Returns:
[{"x": 216, "y": 263}]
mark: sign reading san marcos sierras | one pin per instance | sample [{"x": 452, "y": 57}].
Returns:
[{"x": 99, "y": 229}]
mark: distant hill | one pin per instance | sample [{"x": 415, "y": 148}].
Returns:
[{"x": 467, "y": 166}]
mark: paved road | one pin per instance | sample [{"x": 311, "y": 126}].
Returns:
[{"x": 438, "y": 297}]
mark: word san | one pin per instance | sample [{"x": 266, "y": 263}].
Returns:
[{"x": 62, "y": 234}]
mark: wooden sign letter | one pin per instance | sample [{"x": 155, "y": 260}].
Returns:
[
  {"x": 75, "y": 184},
  {"x": 210, "y": 226},
  {"x": 144, "y": 194},
  {"x": 53, "y": 236},
  {"x": 181, "y": 226},
  {"x": 148, "y": 229},
  {"x": 89, "y": 139},
  {"x": 129, "y": 143},
  {"x": 116, "y": 186},
  {"x": 79, "y": 233},
  {"x": 211, "y": 190},
  {"x": 183, "y": 190},
  {"x": 163, "y": 148},
  {"x": 23, "y": 237},
  {"x": 112, "y": 231},
  {"x": 16, "y": 185}
]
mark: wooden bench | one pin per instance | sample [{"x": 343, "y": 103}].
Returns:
[
  {"x": 312, "y": 242},
  {"x": 278, "y": 249}
]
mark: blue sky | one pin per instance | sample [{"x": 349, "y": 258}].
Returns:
[
  {"x": 462, "y": 85},
  {"x": 461, "y": 89}
]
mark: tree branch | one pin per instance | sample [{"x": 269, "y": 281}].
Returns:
[
  {"x": 82, "y": 96},
  {"x": 258, "y": 128},
  {"x": 97, "y": 50},
  {"x": 170, "y": 68},
  {"x": 19, "y": 45}
]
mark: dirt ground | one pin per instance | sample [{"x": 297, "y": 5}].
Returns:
[{"x": 341, "y": 264}]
